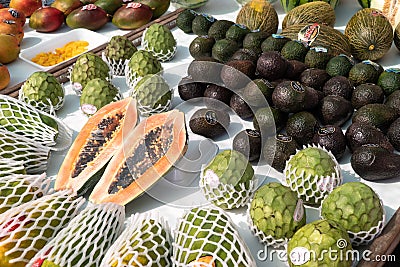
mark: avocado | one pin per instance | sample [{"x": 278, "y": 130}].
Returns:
[
  {"x": 269, "y": 120},
  {"x": 219, "y": 28},
  {"x": 396, "y": 37},
  {"x": 375, "y": 163},
  {"x": 202, "y": 23},
  {"x": 216, "y": 96},
  {"x": 378, "y": 115},
  {"x": 236, "y": 33},
  {"x": 205, "y": 70},
  {"x": 332, "y": 138},
  {"x": 389, "y": 80},
  {"x": 317, "y": 57},
  {"x": 237, "y": 73},
  {"x": 314, "y": 78},
  {"x": 365, "y": 72},
  {"x": 339, "y": 65},
  {"x": 254, "y": 39},
  {"x": 292, "y": 96},
  {"x": 393, "y": 101},
  {"x": 393, "y": 134},
  {"x": 248, "y": 142},
  {"x": 240, "y": 107},
  {"x": 294, "y": 69},
  {"x": 294, "y": 50},
  {"x": 209, "y": 123},
  {"x": 339, "y": 86},
  {"x": 358, "y": 134},
  {"x": 245, "y": 54},
  {"x": 278, "y": 149},
  {"x": 335, "y": 110},
  {"x": 275, "y": 42},
  {"x": 188, "y": 89},
  {"x": 366, "y": 93},
  {"x": 302, "y": 127},
  {"x": 185, "y": 19},
  {"x": 271, "y": 65},
  {"x": 201, "y": 47},
  {"x": 224, "y": 49},
  {"x": 258, "y": 92}
]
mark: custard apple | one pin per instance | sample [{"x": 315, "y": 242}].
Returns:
[
  {"x": 312, "y": 173},
  {"x": 276, "y": 213},
  {"x": 140, "y": 64},
  {"x": 227, "y": 181},
  {"x": 357, "y": 208},
  {"x": 119, "y": 49},
  {"x": 159, "y": 40},
  {"x": 320, "y": 243},
  {"x": 43, "y": 91},
  {"x": 208, "y": 237},
  {"x": 96, "y": 94},
  {"x": 152, "y": 94},
  {"x": 87, "y": 67}
]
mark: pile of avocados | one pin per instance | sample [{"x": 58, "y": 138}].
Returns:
[{"x": 294, "y": 94}]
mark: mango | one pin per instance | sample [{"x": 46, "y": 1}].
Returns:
[
  {"x": 90, "y": 17},
  {"x": 26, "y": 6},
  {"x": 13, "y": 28},
  {"x": 109, "y": 6},
  {"x": 132, "y": 16},
  {"x": 9, "y": 48},
  {"x": 66, "y": 6},
  {"x": 46, "y": 19},
  {"x": 4, "y": 76},
  {"x": 13, "y": 14},
  {"x": 159, "y": 7}
]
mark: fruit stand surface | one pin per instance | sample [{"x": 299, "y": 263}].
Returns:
[{"x": 171, "y": 202}]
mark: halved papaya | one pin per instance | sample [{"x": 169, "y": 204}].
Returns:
[
  {"x": 96, "y": 143},
  {"x": 148, "y": 152}
]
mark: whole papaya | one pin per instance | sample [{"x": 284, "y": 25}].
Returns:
[
  {"x": 132, "y": 16},
  {"x": 90, "y": 17},
  {"x": 46, "y": 19}
]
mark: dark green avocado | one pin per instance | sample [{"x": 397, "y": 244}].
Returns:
[
  {"x": 339, "y": 65},
  {"x": 277, "y": 150},
  {"x": 205, "y": 70},
  {"x": 224, "y": 49},
  {"x": 219, "y": 29},
  {"x": 393, "y": 101},
  {"x": 271, "y": 65},
  {"x": 237, "y": 32},
  {"x": 358, "y": 134},
  {"x": 365, "y": 72},
  {"x": 378, "y": 115},
  {"x": 217, "y": 97},
  {"x": 394, "y": 134},
  {"x": 188, "y": 89},
  {"x": 292, "y": 96},
  {"x": 302, "y": 126},
  {"x": 366, "y": 93},
  {"x": 339, "y": 86},
  {"x": 202, "y": 23},
  {"x": 375, "y": 163},
  {"x": 314, "y": 78},
  {"x": 332, "y": 138},
  {"x": 335, "y": 110},
  {"x": 253, "y": 41},
  {"x": 209, "y": 123},
  {"x": 240, "y": 107},
  {"x": 258, "y": 93},
  {"x": 201, "y": 47},
  {"x": 245, "y": 54},
  {"x": 185, "y": 19},
  {"x": 269, "y": 120},
  {"x": 317, "y": 57},
  {"x": 294, "y": 50},
  {"x": 275, "y": 42},
  {"x": 389, "y": 80},
  {"x": 236, "y": 74},
  {"x": 248, "y": 142}
]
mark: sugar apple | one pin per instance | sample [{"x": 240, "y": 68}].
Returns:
[
  {"x": 140, "y": 64},
  {"x": 152, "y": 94},
  {"x": 118, "y": 50},
  {"x": 276, "y": 213},
  {"x": 320, "y": 243},
  {"x": 227, "y": 181},
  {"x": 357, "y": 208},
  {"x": 208, "y": 237},
  {"x": 43, "y": 91},
  {"x": 145, "y": 242},
  {"x": 96, "y": 94},
  {"x": 312, "y": 173},
  {"x": 87, "y": 67},
  {"x": 160, "y": 41}
]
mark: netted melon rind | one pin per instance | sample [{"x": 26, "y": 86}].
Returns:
[
  {"x": 96, "y": 227},
  {"x": 226, "y": 228},
  {"x": 268, "y": 240},
  {"x": 18, "y": 189},
  {"x": 124, "y": 246},
  {"x": 28, "y": 227},
  {"x": 318, "y": 186},
  {"x": 228, "y": 196}
]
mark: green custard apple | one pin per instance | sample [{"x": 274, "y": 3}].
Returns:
[
  {"x": 140, "y": 64},
  {"x": 160, "y": 41}
]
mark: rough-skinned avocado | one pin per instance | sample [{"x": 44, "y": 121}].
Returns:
[
  {"x": 366, "y": 93},
  {"x": 374, "y": 163},
  {"x": 269, "y": 120},
  {"x": 302, "y": 127},
  {"x": 278, "y": 149},
  {"x": 294, "y": 69},
  {"x": 378, "y": 115},
  {"x": 253, "y": 41},
  {"x": 338, "y": 85},
  {"x": 188, "y": 89},
  {"x": 217, "y": 96},
  {"x": 219, "y": 29},
  {"x": 314, "y": 78},
  {"x": 271, "y": 65},
  {"x": 201, "y": 47},
  {"x": 294, "y": 50},
  {"x": 205, "y": 70},
  {"x": 332, "y": 138},
  {"x": 209, "y": 123},
  {"x": 335, "y": 110},
  {"x": 258, "y": 92},
  {"x": 240, "y": 107},
  {"x": 248, "y": 142},
  {"x": 224, "y": 49},
  {"x": 393, "y": 100},
  {"x": 393, "y": 134},
  {"x": 236, "y": 74},
  {"x": 275, "y": 42},
  {"x": 358, "y": 134}
]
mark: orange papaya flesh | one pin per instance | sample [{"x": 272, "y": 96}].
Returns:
[
  {"x": 95, "y": 144},
  {"x": 147, "y": 154}
]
